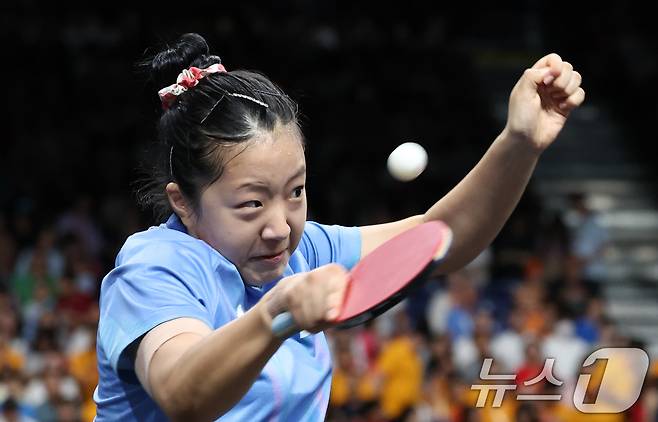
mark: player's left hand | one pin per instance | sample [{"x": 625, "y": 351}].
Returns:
[{"x": 542, "y": 99}]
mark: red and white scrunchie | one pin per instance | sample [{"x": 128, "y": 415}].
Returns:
[{"x": 187, "y": 79}]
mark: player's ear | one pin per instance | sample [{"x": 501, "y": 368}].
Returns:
[{"x": 179, "y": 203}]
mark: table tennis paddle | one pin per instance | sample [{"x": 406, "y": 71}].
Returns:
[{"x": 383, "y": 277}]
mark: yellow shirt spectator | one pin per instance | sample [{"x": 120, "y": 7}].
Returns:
[
  {"x": 83, "y": 367},
  {"x": 402, "y": 375},
  {"x": 10, "y": 358}
]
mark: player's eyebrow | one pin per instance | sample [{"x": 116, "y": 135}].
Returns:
[
  {"x": 254, "y": 185},
  {"x": 263, "y": 186},
  {"x": 298, "y": 173}
]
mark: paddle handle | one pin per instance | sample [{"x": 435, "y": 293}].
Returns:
[{"x": 283, "y": 325}]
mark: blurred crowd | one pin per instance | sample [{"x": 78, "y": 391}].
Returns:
[
  {"x": 50, "y": 274},
  {"x": 531, "y": 304},
  {"x": 533, "y": 295}
]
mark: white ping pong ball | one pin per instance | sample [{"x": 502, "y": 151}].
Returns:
[{"x": 407, "y": 161}]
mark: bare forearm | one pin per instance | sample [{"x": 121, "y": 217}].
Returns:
[
  {"x": 479, "y": 205},
  {"x": 215, "y": 373}
]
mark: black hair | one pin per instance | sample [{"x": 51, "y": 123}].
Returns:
[{"x": 225, "y": 109}]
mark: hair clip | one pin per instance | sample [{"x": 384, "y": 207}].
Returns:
[{"x": 246, "y": 97}]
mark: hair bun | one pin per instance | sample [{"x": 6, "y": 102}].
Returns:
[{"x": 189, "y": 50}]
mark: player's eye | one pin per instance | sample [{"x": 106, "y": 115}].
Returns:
[
  {"x": 251, "y": 204},
  {"x": 297, "y": 192}
]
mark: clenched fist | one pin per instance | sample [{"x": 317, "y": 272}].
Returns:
[
  {"x": 542, "y": 99},
  {"x": 313, "y": 298}
]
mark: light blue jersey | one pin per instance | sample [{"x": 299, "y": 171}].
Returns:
[{"x": 163, "y": 273}]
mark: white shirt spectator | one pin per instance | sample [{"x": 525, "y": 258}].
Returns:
[
  {"x": 568, "y": 350},
  {"x": 508, "y": 349}
]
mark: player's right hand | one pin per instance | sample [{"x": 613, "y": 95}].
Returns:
[{"x": 313, "y": 298}]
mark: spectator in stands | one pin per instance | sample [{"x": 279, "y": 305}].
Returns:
[
  {"x": 508, "y": 347},
  {"x": 41, "y": 303},
  {"x": 464, "y": 298},
  {"x": 11, "y": 357},
  {"x": 440, "y": 378},
  {"x": 530, "y": 301},
  {"x": 588, "y": 326},
  {"x": 12, "y": 412},
  {"x": 401, "y": 370},
  {"x": 568, "y": 350},
  {"x": 470, "y": 351},
  {"x": 531, "y": 367},
  {"x": 44, "y": 248},
  {"x": 24, "y": 285},
  {"x": 589, "y": 239}
]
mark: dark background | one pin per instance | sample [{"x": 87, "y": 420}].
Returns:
[{"x": 367, "y": 76}]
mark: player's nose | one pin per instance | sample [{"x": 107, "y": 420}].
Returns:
[{"x": 277, "y": 227}]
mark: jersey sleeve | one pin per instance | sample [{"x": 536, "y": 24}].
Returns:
[
  {"x": 322, "y": 244},
  {"x": 159, "y": 283}
]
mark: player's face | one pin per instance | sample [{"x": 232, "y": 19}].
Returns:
[{"x": 254, "y": 214}]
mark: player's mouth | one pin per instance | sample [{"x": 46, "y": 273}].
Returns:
[{"x": 273, "y": 259}]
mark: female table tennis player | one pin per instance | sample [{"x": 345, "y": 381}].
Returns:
[{"x": 185, "y": 327}]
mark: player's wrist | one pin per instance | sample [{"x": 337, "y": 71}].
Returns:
[
  {"x": 275, "y": 303},
  {"x": 265, "y": 322},
  {"x": 271, "y": 305},
  {"x": 521, "y": 142}
]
